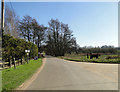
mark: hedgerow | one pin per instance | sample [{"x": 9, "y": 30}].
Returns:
[{"x": 15, "y": 48}]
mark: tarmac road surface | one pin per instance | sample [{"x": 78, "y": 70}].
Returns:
[{"x": 59, "y": 74}]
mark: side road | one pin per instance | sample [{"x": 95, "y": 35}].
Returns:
[{"x": 59, "y": 74}]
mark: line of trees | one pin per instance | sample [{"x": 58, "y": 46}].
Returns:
[
  {"x": 103, "y": 49},
  {"x": 56, "y": 39},
  {"x": 31, "y": 31},
  {"x": 13, "y": 46}
]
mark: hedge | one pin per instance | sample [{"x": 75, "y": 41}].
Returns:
[{"x": 15, "y": 48}]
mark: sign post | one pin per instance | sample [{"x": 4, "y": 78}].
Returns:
[{"x": 27, "y": 51}]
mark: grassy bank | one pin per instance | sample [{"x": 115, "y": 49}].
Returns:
[
  {"x": 12, "y": 78},
  {"x": 83, "y": 58}
]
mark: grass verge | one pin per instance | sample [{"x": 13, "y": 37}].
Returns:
[
  {"x": 0, "y": 80},
  {"x": 94, "y": 61},
  {"x": 101, "y": 59},
  {"x": 12, "y": 78}
]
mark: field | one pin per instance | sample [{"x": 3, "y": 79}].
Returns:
[
  {"x": 12, "y": 78},
  {"x": 83, "y": 58}
]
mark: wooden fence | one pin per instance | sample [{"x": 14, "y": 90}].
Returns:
[{"x": 14, "y": 63}]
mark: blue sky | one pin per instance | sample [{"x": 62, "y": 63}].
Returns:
[{"x": 92, "y": 23}]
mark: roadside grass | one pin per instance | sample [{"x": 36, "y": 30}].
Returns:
[
  {"x": 83, "y": 58},
  {"x": 12, "y": 78},
  {"x": 0, "y": 80}
]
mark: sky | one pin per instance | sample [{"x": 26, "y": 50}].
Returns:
[{"x": 92, "y": 23}]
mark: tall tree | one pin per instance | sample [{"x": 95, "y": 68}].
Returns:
[
  {"x": 25, "y": 27},
  {"x": 11, "y": 22},
  {"x": 35, "y": 27},
  {"x": 38, "y": 32},
  {"x": 60, "y": 38},
  {"x": 40, "y": 37},
  {"x": 32, "y": 31}
]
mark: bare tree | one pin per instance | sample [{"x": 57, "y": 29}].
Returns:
[
  {"x": 35, "y": 26},
  {"x": 32, "y": 31},
  {"x": 60, "y": 38},
  {"x": 0, "y": 23},
  {"x": 25, "y": 28},
  {"x": 11, "y": 22},
  {"x": 40, "y": 36}
]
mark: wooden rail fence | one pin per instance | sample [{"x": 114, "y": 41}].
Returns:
[{"x": 14, "y": 63}]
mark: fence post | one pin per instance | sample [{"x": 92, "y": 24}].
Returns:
[
  {"x": 18, "y": 62},
  {"x": 27, "y": 59},
  {"x": 2, "y": 63},
  {"x": 21, "y": 61},
  {"x": 10, "y": 62},
  {"x": 14, "y": 64}
]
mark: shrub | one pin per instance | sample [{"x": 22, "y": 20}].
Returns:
[{"x": 15, "y": 47}]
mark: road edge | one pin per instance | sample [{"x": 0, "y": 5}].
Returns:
[{"x": 24, "y": 85}]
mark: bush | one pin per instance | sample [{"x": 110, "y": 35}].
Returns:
[{"x": 15, "y": 47}]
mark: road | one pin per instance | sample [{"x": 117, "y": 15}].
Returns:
[{"x": 59, "y": 74}]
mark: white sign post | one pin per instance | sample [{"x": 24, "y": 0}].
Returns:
[{"x": 27, "y": 51}]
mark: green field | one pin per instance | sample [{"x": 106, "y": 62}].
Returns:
[
  {"x": 83, "y": 58},
  {"x": 12, "y": 78}
]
